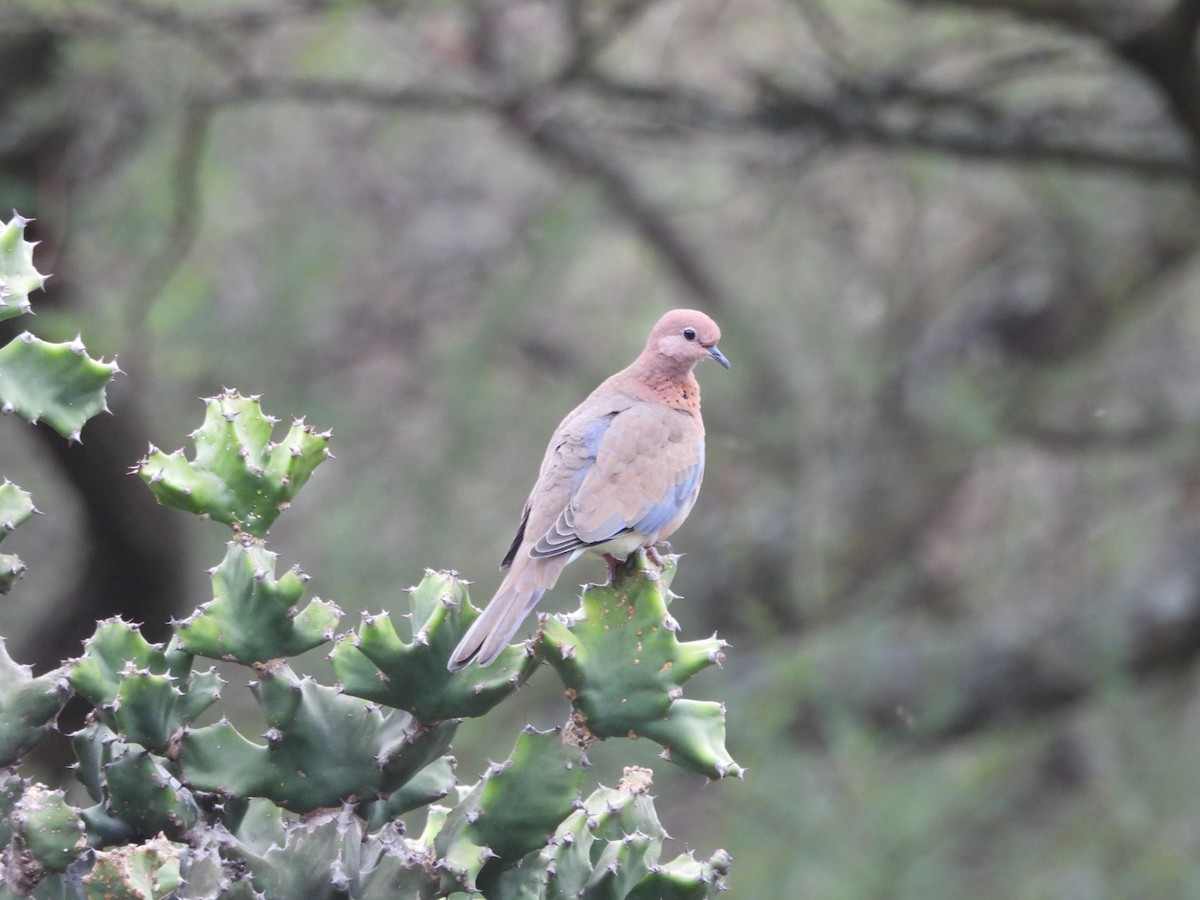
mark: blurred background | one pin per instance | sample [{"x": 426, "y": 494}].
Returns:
[{"x": 951, "y": 521}]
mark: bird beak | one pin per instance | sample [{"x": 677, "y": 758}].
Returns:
[{"x": 718, "y": 356}]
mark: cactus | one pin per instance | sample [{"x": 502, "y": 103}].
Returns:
[
  {"x": 321, "y": 747},
  {"x": 141, "y": 691},
  {"x": 239, "y": 475},
  {"x": 28, "y": 706},
  {"x": 136, "y": 793},
  {"x": 18, "y": 277},
  {"x": 624, "y": 668},
  {"x": 374, "y": 663},
  {"x": 511, "y": 812},
  {"x": 47, "y": 836},
  {"x": 253, "y": 617},
  {"x": 610, "y": 847},
  {"x": 58, "y": 384},
  {"x": 318, "y": 803},
  {"x": 148, "y": 871},
  {"x": 16, "y": 506},
  {"x": 314, "y": 805}
]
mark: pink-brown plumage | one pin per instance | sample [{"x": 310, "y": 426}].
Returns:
[{"x": 622, "y": 471}]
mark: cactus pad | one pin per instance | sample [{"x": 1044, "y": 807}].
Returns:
[
  {"x": 18, "y": 277},
  {"x": 624, "y": 668},
  {"x": 429, "y": 785},
  {"x": 58, "y": 384},
  {"x": 28, "y": 706},
  {"x": 143, "y": 794},
  {"x": 148, "y": 871},
  {"x": 16, "y": 506},
  {"x": 512, "y": 812},
  {"x": 47, "y": 832},
  {"x": 374, "y": 663},
  {"x": 239, "y": 475},
  {"x": 141, "y": 691},
  {"x": 254, "y": 617},
  {"x": 321, "y": 747}
]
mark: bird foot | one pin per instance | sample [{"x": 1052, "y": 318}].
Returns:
[
  {"x": 613, "y": 564},
  {"x": 653, "y": 556}
]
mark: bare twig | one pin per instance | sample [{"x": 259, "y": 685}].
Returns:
[{"x": 565, "y": 144}]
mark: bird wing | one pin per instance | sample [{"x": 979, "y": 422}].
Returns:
[
  {"x": 637, "y": 469},
  {"x": 569, "y": 457}
]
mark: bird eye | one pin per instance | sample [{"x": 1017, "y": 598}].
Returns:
[{"x": 689, "y": 334}]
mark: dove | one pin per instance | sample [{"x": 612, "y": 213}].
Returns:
[{"x": 622, "y": 472}]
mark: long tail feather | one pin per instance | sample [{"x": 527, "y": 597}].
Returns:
[{"x": 490, "y": 633}]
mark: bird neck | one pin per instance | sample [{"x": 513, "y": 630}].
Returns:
[{"x": 670, "y": 387}]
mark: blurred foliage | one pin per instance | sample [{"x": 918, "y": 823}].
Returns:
[{"x": 949, "y": 521}]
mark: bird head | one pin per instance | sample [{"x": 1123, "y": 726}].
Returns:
[{"x": 684, "y": 337}]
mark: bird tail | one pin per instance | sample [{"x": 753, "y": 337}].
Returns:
[{"x": 490, "y": 633}]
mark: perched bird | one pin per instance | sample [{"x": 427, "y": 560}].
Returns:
[{"x": 622, "y": 472}]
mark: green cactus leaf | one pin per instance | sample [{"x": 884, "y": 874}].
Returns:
[
  {"x": 524, "y": 799},
  {"x": 392, "y": 867},
  {"x": 136, "y": 794},
  {"x": 142, "y": 691},
  {"x": 104, "y": 829},
  {"x": 16, "y": 506},
  {"x": 239, "y": 475},
  {"x": 624, "y": 668},
  {"x": 316, "y": 857},
  {"x": 148, "y": 871},
  {"x": 613, "y": 828},
  {"x": 141, "y": 792},
  {"x": 322, "y": 747},
  {"x": 684, "y": 878},
  {"x": 513, "y": 811},
  {"x": 430, "y": 784},
  {"x": 28, "y": 706},
  {"x": 693, "y": 736},
  {"x": 18, "y": 277},
  {"x": 47, "y": 828},
  {"x": 12, "y": 786},
  {"x": 58, "y": 384},
  {"x": 89, "y": 745},
  {"x": 621, "y": 865},
  {"x": 376, "y": 664},
  {"x": 11, "y": 570},
  {"x": 207, "y": 876},
  {"x": 259, "y": 824},
  {"x": 254, "y": 617}
]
